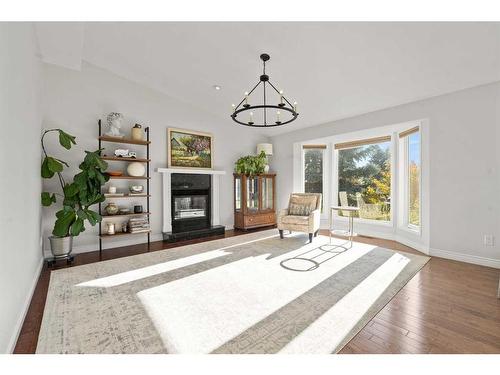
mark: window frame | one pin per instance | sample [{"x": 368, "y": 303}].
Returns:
[
  {"x": 335, "y": 177},
  {"x": 324, "y": 165},
  {"x": 404, "y": 183}
]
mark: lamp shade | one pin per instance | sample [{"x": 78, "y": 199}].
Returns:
[{"x": 266, "y": 147}]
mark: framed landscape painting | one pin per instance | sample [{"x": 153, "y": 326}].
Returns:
[{"x": 189, "y": 149}]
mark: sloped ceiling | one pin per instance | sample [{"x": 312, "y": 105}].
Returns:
[
  {"x": 333, "y": 70},
  {"x": 61, "y": 43}
]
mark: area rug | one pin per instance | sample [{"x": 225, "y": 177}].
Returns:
[{"x": 254, "y": 293}]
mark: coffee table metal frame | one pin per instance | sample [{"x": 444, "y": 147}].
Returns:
[
  {"x": 328, "y": 248},
  {"x": 350, "y": 231}
]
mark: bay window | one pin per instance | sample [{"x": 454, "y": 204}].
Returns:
[{"x": 378, "y": 170}]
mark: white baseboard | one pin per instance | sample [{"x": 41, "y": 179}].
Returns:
[
  {"x": 26, "y": 305},
  {"x": 467, "y": 258},
  {"x": 413, "y": 244}
]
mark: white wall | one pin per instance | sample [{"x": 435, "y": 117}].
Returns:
[
  {"x": 464, "y": 167},
  {"x": 75, "y": 100},
  {"x": 20, "y": 252}
]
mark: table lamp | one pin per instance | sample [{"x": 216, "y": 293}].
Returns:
[{"x": 268, "y": 150}]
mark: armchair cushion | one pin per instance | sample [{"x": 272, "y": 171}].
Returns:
[
  {"x": 281, "y": 213},
  {"x": 294, "y": 219},
  {"x": 302, "y": 205}
]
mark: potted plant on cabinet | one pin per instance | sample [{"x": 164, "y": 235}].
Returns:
[
  {"x": 251, "y": 164},
  {"x": 76, "y": 197}
]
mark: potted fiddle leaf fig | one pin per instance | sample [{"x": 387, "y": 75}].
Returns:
[
  {"x": 251, "y": 165},
  {"x": 76, "y": 197}
]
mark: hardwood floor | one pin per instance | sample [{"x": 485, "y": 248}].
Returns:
[{"x": 448, "y": 307}]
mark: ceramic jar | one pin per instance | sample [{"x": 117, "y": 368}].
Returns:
[
  {"x": 110, "y": 228},
  {"x": 137, "y": 132},
  {"x": 111, "y": 208}
]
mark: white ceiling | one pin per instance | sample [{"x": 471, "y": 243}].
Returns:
[{"x": 333, "y": 70}]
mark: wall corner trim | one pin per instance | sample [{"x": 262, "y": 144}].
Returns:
[{"x": 26, "y": 306}]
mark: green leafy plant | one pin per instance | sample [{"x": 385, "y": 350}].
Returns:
[
  {"x": 251, "y": 165},
  {"x": 77, "y": 196}
]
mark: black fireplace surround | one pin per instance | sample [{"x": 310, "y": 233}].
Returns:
[{"x": 191, "y": 207}]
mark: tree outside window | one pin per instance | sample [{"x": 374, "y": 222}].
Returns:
[
  {"x": 414, "y": 179},
  {"x": 364, "y": 175},
  {"x": 313, "y": 171}
]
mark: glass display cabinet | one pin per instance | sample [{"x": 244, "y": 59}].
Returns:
[{"x": 254, "y": 200}]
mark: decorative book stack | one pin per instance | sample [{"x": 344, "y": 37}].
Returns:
[{"x": 138, "y": 224}]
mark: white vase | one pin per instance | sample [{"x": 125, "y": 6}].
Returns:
[
  {"x": 266, "y": 168},
  {"x": 136, "y": 169}
]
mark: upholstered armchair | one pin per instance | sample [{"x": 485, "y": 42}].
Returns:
[{"x": 302, "y": 215}]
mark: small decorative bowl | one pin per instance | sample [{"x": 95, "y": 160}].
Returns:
[
  {"x": 124, "y": 211},
  {"x": 136, "y": 189},
  {"x": 115, "y": 173},
  {"x": 111, "y": 208}
]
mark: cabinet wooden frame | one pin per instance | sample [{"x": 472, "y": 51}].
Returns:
[{"x": 245, "y": 218}]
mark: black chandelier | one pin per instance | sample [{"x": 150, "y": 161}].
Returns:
[{"x": 265, "y": 119}]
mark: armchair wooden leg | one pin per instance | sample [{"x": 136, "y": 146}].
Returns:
[
  {"x": 281, "y": 233},
  {"x": 310, "y": 237},
  {"x": 316, "y": 233}
]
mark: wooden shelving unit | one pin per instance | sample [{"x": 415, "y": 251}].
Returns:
[
  {"x": 147, "y": 160},
  {"x": 104, "y": 235},
  {"x": 130, "y": 196},
  {"x": 128, "y": 178},
  {"x": 118, "y": 158},
  {"x": 127, "y": 141},
  {"x": 126, "y": 215}
]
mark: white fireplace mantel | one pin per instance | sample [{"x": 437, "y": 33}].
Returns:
[{"x": 167, "y": 199}]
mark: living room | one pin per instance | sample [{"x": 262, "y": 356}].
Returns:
[{"x": 250, "y": 187}]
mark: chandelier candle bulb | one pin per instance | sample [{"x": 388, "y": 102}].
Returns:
[
  {"x": 251, "y": 118},
  {"x": 295, "y": 106},
  {"x": 234, "y": 107},
  {"x": 246, "y": 98},
  {"x": 278, "y": 113},
  {"x": 281, "y": 98}
]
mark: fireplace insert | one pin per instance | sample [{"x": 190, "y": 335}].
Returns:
[{"x": 190, "y": 202}]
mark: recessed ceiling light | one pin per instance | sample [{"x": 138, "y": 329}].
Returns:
[{"x": 216, "y": 87}]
